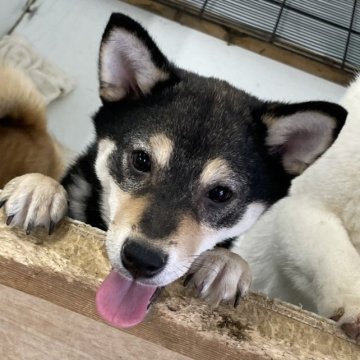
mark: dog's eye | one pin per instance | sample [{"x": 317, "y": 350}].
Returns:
[
  {"x": 220, "y": 194},
  {"x": 141, "y": 161}
]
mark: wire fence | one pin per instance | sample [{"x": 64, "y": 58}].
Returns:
[{"x": 328, "y": 30}]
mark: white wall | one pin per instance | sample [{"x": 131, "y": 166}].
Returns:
[
  {"x": 68, "y": 32},
  {"x": 10, "y": 11}
]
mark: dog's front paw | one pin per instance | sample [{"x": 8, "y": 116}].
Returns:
[
  {"x": 218, "y": 275},
  {"x": 348, "y": 319},
  {"x": 34, "y": 200}
]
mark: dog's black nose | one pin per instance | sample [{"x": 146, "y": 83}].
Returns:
[{"x": 142, "y": 260}]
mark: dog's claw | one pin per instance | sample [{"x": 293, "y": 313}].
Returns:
[
  {"x": 237, "y": 299},
  {"x": 29, "y": 228},
  {"x": 155, "y": 296},
  {"x": 34, "y": 201},
  {"x": 2, "y": 203},
  {"x": 228, "y": 279},
  {"x": 188, "y": 279},
  {"x": 51, "y": 227},
  {"x": 9, "y": 219},
  {"x": 200, "y": 288}
]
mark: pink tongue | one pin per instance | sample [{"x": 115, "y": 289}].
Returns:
[{"x": 122, "y": 302}]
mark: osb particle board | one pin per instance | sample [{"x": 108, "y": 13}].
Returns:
[{"x": 67, "y": 267}]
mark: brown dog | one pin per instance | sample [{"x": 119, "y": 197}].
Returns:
[{"x": 25, "y": 144}]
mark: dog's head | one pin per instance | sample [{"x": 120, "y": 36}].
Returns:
[{"x": 187, "y": 162}]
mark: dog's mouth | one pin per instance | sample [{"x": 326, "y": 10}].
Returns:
[{"x": 124, "y": 302}]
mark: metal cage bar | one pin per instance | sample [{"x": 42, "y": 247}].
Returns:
[{"x": 328, "y": 31}]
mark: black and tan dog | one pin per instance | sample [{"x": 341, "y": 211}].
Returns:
[{"x": 181, "y": 164}]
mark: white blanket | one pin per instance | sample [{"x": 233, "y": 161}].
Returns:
[{"x": 51, "y": 81}]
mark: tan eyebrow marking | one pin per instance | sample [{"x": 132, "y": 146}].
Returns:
[
  {"x": 215, "y": 170},
  {"x": 162, "y": 148}
]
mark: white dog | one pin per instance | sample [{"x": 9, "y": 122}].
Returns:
[{"x": 306, "y": 249}]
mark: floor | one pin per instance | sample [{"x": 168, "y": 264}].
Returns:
[
  {"x": 31, "y": 328},
  {"x": 68, "y": 33}
]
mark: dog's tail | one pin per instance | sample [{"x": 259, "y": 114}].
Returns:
[{"x": 21, "y": 105}]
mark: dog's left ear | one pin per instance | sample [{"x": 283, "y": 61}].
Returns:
[
  {"x": 130, "y": 63},
  {"x": 300, "y": 133}
]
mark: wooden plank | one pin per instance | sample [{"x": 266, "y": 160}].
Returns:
[
  {"x": 31, "y": 328},
  {"x": 236, "y": 37},
  {"x": 68, "y": 266}
]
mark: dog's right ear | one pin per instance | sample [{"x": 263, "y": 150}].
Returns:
[{"x": 130, "y": 63}]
